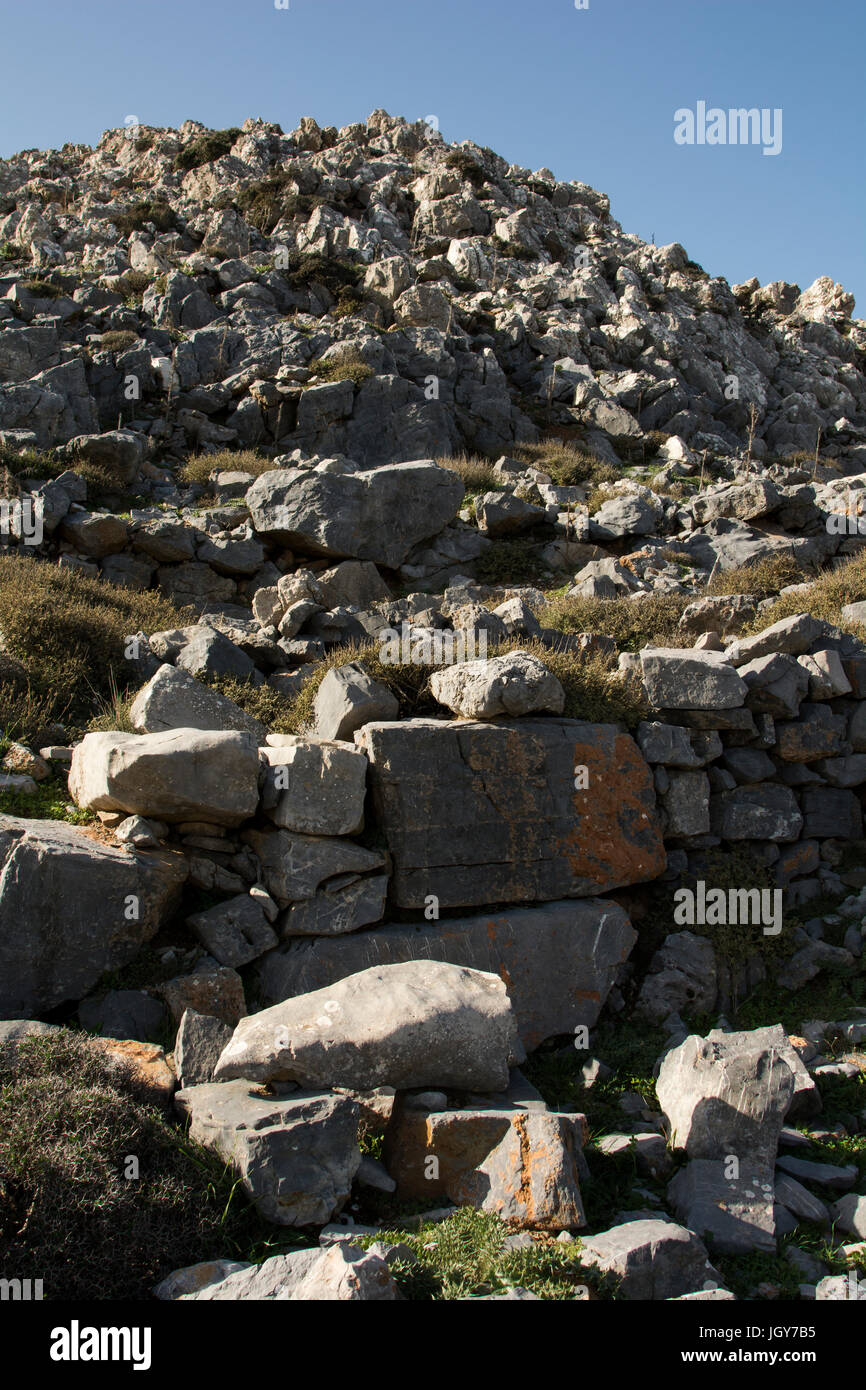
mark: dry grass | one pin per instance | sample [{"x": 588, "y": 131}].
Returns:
[
  {"x": 651, "y": 621},
  {"x": 825, "y": 598},
  {"x": 199, "y": 467},
  {"x": 476, "y": 473},
  {"x": 568, "y": 465},
  {"x": 68, "y": 631}
]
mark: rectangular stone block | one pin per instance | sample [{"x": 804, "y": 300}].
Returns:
[
  {"x": 558, "y": 961},
  {"x": 517, "y": 811}
]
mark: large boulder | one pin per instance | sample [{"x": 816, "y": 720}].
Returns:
[
  {"x": 419, "y": 1024},
  {"x": 679, "y": 679},
  {"x": 541, "y": 809},
  {"x": 72, "y": 908},
  {"x": 178, "y": 775},
  {"x": 173, "y": 699},
  {"x": 296, "y": 1154},
  {"x": 514, "y": 684},
  {"x": 342, "y": 1273},
  {"x": 377, "y": 515},
  {"x": 558, "y": 960}
]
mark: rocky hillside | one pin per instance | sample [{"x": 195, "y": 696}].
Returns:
[{"x": 433, "y": 704}]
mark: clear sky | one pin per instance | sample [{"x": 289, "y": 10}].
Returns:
[{"x": 589, "y": 93}]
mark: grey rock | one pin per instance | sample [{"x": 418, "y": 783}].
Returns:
[
  {"x": 650, "y": 1259},
  {"x": 559, "y": 960},
  {"x": 296, "y": 1154},
  {"x": 514, "y": 684},
  {"x": 199, "y": 1042},
  {"x": 177, "y": 775},
  {"x": 234, "y": 932},
  {"x": 680, "y": 679},
  {"x": 173, "y": 699},
  {"x": 347, "y": 699},
  {"x": 397, "y": 1025},
  {"x": 64, "y": 911}
]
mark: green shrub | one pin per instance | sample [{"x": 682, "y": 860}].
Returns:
[
  {"x": 50, "y": 801},
  {"x": 267, "y": 201},
  {"x": 69, "y": 1118},
  {"x": 466, "y": 1256},
  {"x": 467, "y": 167},
  {"x": 204, "y": 149}
]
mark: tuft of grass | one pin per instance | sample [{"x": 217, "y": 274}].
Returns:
[
  {"x": 199, "y": 467},
  {"x": 69, "y": 1117},
  {"x": 762, "y": 577},
  {"x": 118, "y": 340},
  {"x": 267, "y": 201},
  {"x": 825, "y": 598},
  {"x": 567, "y": 465},
  {"x": 510, "y": 562},
  {"x": 204, "y": 149},
  {"x": 649, "y": 621},
  {"x": 42, "y": 289},
  {"x": 348, "y": 367},
  {"x": 69, "y": 632},
  {"x": 476, "y": 473},
  {"x": 258, "y": 701},
  {"x": 50, "y": 801}
]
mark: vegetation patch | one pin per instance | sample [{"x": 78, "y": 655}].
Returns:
[
  {"x": 69, "y": 632},
  {"x": 69, "y": 1215},
  {"x": 204, "y": 149}
]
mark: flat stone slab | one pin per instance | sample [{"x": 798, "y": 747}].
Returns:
[
  {"x": 558, "y": 961},
  {"x": 518, "y": 811}
]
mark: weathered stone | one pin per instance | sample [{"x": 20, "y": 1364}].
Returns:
[
  {"x": 558, "y": 961},
  {"x": 321, "y": 788},
  {"x": 294, "y": 867},
  {"x": 514, "y": 684},
  {"x": 296, "y": 1154},
  {"x": 829, "y": 813},
  {"x": 64, "y": 911},
  {"x": 234, "y": 932},
  {"x": 477, "y": 814},
  {"x": 342, "y": 1273},
  {"x": 765, "y": 812},
  {"x": 173, "y": 699},
  {"x": 792, "y": 635},
  {"x": 522, "y": 1165},
  {"x": 336, "y": 911},
  {"x": 347, "y": 699},
  {"x": 396, "y": 1025},
  {"x": 181, "y": 774},
  {"x": 817, "y": 733},
  {"x": 199, "y": 1042},
  {"x": 682, "y": 976},
  {"x": 686, "y": 679},
  {"x": 649, "y": 1259},
  {"x": 687, "y": 804},
  {"x": 377, "y": 515},
  {"x": 211, "y": 988},
  {"x": 728, "y": 1094}
]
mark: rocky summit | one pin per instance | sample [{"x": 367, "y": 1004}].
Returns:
[{"x": 433, "y": 695}]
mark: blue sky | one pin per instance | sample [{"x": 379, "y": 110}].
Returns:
[{"x": 591, "y": 94}]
